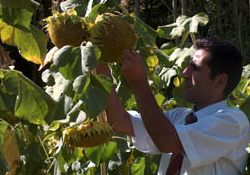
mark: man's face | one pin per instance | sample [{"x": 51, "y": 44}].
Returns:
[{"x": 198, "y": 87}]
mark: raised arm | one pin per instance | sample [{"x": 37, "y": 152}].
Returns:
[
  {"x": 158, "y": 126},
  {"x": 116, "y": 114}
]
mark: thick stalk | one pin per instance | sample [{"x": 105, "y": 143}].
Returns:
[{"x": 103, "y": 168}]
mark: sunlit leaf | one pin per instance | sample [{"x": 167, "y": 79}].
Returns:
[
  {"x": 198, "y": 19},
  {"x": 109, "y": 150},
  {"x": 159, "y": 99},
  {"x": 182, "y": 25},
  {"x": 181, "y": 57},
  {"x": 248, "y": 90},
  {"x": 176, "y": 81},
  {"x": 138, "y": 168},
  {"x": 167, "y": 74},
  {"x": 152, "y": 61},
  {"x": 34, "y": 50}
]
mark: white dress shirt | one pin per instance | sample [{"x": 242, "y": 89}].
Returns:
[{"x": 214, "y": 145}]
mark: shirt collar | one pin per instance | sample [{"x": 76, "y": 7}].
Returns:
[{"x": 211, "y": 109}]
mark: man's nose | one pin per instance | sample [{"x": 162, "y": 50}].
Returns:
[{"x": 185, "y": 73}]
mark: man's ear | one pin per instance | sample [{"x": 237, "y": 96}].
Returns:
[{"x": 220, "y": 80}]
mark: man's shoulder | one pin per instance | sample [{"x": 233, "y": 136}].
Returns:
[{"x": 234, "y": 113}]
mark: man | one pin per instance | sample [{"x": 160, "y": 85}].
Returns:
[{"x": 213, "y": 145}]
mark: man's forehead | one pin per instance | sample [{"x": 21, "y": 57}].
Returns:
[{"x": 200, "y": 56}]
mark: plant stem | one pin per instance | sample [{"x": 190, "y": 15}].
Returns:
[
  {"x": 245, "y": 87},
  {"x": 12, "y": 127},
  {"x": 103, "y": 168},
  {"x": 44, "y": 149},
  {"x": 121, "y": 138}
]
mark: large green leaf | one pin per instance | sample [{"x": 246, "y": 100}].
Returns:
[
  {"x": 93, "y": 91},
  {"x": 182, "y": 26},
  {"x": 68, "y": 61},
  {"x": 19, "y": 18},
  {"x": 101, "y": 153},
  {"x": 32, "y": 44},
  {"x": 57, "y": 84},
  {"x": 32, "y": 103},
  {"x": 75, "y": 61}
]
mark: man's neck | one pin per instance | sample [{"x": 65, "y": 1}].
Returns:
[{"x": 197, "y": 107}]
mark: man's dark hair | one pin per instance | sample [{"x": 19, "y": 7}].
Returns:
[{"x": 224, "y": 58}]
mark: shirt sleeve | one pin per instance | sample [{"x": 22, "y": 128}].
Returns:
[
  {"x": 213, "y": 136},
  {"x": 142, "y": 141}
]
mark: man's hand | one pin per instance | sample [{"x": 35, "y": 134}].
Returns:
[
  {"x": 103, "y": 68},
  {"x": 132, "y": 68}
]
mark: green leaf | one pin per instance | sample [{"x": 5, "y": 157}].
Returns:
[
  {"x": 32, "y": 44},
  {"x": 19, "y": 18},
  {"x": 245, "y": 107},
  {"x": 182, "y": 26},
  {"x": 145, "y": 32},
  {"x": 93, "y": 91},
  {"x": 68, "y": 61},
  {"x": 75, "y": 61},
  {"x": 3, "y": 164},
  {"x": 95, "y": 153},
  {"x": 138, "y": 168},
  {"x": 159, "y": 99},
  {"x": 109, "y": 150},
  {"x": 198, "y": 19},
  {"x": 93, "y": 12},
  {"x": 59, "y": 85},
  {"x": 3, "y": 127},
  {"x": 89, "y": 57},
  {"x": 21, "y": 4},
  {"x": 181, "y": 57},
  {"x": 167, "y": 74},
  {"x": 32, "y": 103},
  {"x": 166, "y": 31},
  {"x": 246, "y": 71},
  {"x": 101, "y": 153}
]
